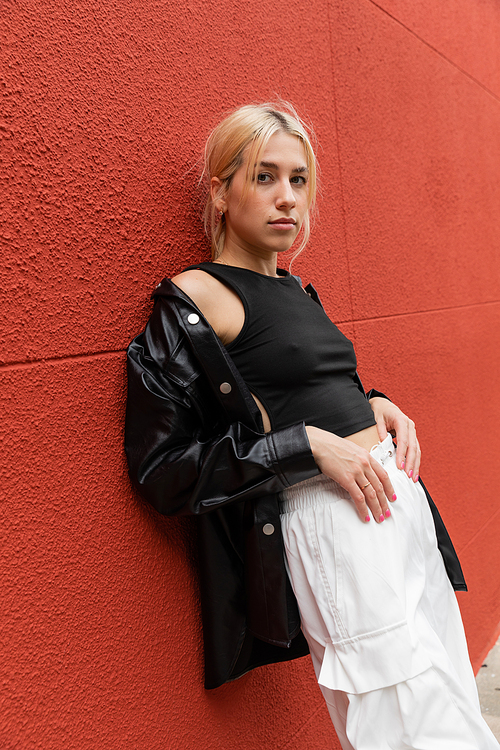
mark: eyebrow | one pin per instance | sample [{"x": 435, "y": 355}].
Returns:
[{"x": 272, "y": 165}]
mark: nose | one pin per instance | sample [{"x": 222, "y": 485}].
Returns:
[{"x": 285, "y": 197}]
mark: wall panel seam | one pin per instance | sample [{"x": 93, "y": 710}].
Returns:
[
  {"x": 289, "y": 740},
  {"x": 434, "y": 49},
  {"x": 427, "y": 311},
  {"x": 66, "y": 358},
  {"x": 479, "y": 532},
  {"x": 25, "y": 364}
]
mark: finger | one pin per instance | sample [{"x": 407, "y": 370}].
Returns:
[
  {"x": 414, "y": 467},
  {"x": 383, "y": 477},
  {"x": 366, "y": 498},
  {"x": 358, "y": 498},
  {"x": 372, "y": 489},
  {"x": 402, "y": 438},
  {"x": 374, "y": 502},
  {"x": 369, "y": 496},
  {"x": 381, "y": 429},
  {"x": 382, "y": 488},
  {"x": 412, "y": 451}
]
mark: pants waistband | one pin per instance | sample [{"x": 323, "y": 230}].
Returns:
[{"x": 321, "y": 489}]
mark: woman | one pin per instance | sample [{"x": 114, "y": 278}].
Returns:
[{"x": 245, "y": 410}]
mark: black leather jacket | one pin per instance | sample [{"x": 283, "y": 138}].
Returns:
[{"x": 196, "y": 446}]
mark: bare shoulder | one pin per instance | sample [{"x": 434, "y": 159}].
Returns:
[
  {"x": 198, "y": 285},
  {"x": 219, "y": 304}
]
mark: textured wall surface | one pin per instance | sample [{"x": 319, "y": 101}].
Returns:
[{"x": 103, "y": 111}]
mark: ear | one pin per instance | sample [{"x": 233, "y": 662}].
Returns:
[{"x": 217, "y": 193}]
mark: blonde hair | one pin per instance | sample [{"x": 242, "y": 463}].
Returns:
[{"x": 250, "y": 126}]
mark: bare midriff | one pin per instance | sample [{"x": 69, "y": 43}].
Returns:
[{"x": 366, "y": 438}]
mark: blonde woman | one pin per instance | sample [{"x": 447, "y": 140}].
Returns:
[{"x": 245, "y": 410}]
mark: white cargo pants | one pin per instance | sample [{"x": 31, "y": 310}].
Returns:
[{"x": 381, "y": 619}]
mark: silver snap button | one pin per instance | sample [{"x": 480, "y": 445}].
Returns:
[
  {"x": 225, "y": 388},
  {"x": 193, "y": 319},
  {"x": 268, "y": 529}
]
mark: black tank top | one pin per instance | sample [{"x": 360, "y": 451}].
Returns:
[{"x": 291, "y": 356}]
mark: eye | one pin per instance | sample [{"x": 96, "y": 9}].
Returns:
[
  {"x": 264, "y": 177},
  {"x": 298, "y": 179}
]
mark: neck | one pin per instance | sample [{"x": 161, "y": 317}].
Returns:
[{"x": 266, "y": 266}]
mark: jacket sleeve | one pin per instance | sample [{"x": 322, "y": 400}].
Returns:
[{"x": 184, "y": 457}]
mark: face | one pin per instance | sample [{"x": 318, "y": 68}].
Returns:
[{"x": 270, "y": 216}]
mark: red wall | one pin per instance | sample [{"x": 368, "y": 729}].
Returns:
[{"x": 104, "y": 109}]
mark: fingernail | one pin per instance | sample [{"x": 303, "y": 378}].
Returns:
[
  {"x": 387, "y": 513},
  {"x": 402, "y": 464},
  {"x": 381, "y": 518},
  {"x": 394, "y": 497},
  {"x": 410, "y": 473},
  {"x": 415, "y": 478},
  {"x": 367, "y": 518}
]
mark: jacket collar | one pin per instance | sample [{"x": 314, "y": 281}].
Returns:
[{"x": 228, "y": 385}]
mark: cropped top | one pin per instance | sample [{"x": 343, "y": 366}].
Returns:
[{"x": 291, "y": 356}]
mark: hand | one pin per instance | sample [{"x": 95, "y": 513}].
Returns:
[
  {"x": 355, "y": 470},
  {"x": 391, "y": 419}
]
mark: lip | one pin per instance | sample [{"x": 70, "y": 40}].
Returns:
[{"x": 283, "y": 223}]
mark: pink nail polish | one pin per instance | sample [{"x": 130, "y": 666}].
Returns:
[
  {"x": 402, "y": 464},
  {"x": 415, "y": 479},
  {"x": 381, "y": 518},
  {"x": 367, "y": 519},
  {"x": 394, "y": 497},
  {"x": 410, "y": 473},
  {"x": 387, "y": 513}
]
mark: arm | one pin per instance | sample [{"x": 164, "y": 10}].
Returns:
[
  {"x": 391, "y": 419},
  {"x": 355, "y": 470},
  {"x": 183, "y": 456}
]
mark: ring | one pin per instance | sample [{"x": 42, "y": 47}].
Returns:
[{"x": 365, "y": 486}]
